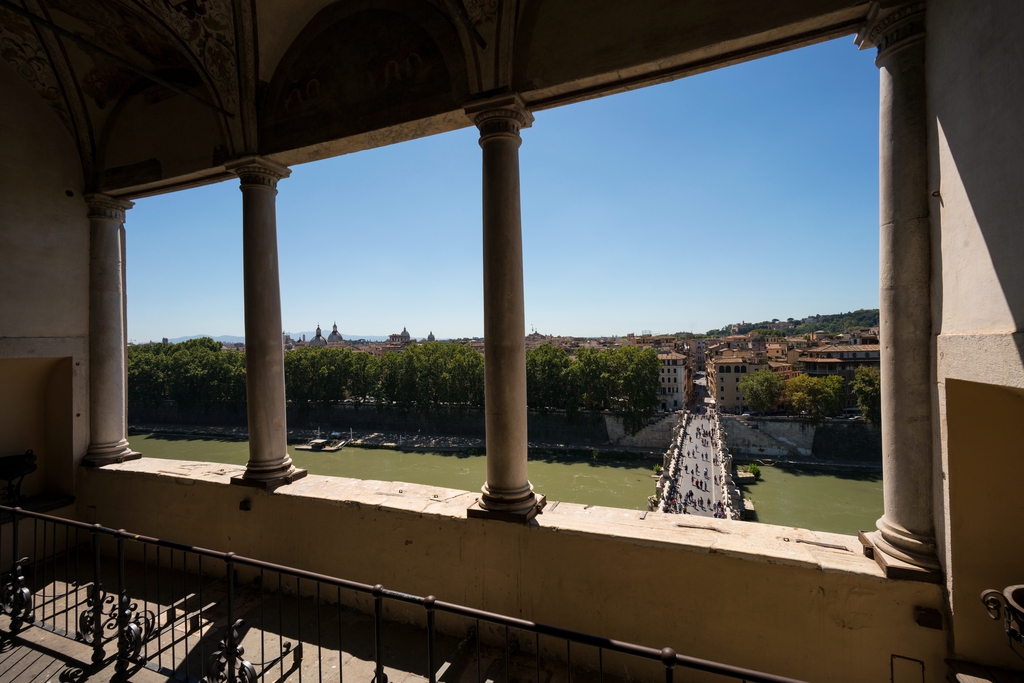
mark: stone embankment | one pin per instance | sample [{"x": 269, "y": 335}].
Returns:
[
  {"x": 787, "y": 439},
  {"x": 442, "y": 427},
  {"x": 403, "y": 441}
]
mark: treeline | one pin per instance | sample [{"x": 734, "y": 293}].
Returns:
[
  {"x": 423, "y": 376},
  {"x": 813, "y": 398}
]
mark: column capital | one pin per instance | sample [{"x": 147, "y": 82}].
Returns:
[
  {"x": 259, "y": 171},
  {"x": 104, "y": 206},
  {"x": 891, "y": 27},
  {"x": 500, "y": 115}
]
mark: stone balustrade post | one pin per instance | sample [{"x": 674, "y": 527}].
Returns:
[
  {"x": 904, "y": 544},
  {"x": 107, "y": 377},
  {"x": 507, "y": 492},
  {"x": 269, "y": 464}
]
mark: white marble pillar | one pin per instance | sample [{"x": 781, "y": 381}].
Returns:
[
  {"x": 904, "y": 543},
  {"x": 508, "y": 490},
  {"x": 107, "y": 404},
  {"x": 269, "y": 464}
]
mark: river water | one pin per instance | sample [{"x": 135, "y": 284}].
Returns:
[
  {"x": 840, "y": 502},
  {"x": 619, "y": 480},
  {"x": 824, "y": 501}
]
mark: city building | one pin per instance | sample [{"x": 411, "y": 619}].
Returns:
[
  {"x": 334, "y": 337},
  {"x": 842, "y": 360},
  {"x": 672, "y": 382},
  {"x": 318, "y": 339},
  {"x": 723, "y": 379},
  {"x": 106, "y": 102},
  {"x": 700, "y": 347}
]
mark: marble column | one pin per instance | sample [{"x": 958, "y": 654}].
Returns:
[
  {"x": 269, "y": 464},
  {"x": 904, "y": 543},
  {"x": 508, "y": 490},
  {"x": 107, "y": 404}
]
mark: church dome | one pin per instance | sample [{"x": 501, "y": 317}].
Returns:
[
  {"x": 335, "y": 336},
  {"x": 318, "y": 340},
  {"x": 405, "y": 334},
  {"x": 430, "y": 337}
]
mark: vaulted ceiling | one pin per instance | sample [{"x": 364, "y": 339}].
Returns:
[{"x": 158, "y": 94}]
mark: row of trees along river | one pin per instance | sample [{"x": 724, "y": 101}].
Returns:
[
  {"x": 813, "y": 398},
  {"x": 421, "y": 377}
]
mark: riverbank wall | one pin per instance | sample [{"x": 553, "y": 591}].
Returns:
[
  {"x": 847, "y": 442},
  {"x": 557, "y": 428}
]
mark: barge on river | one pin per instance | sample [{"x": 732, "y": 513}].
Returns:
[{"x": 321, "y": 445}]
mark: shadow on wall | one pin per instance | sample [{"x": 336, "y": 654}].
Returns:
[{"x": 974, "y": 97}]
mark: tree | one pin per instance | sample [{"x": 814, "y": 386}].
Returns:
[
  {"x": 547, "y": 377},
  {"x": 199, "y": 372},
  {"x": 867, "y": 386},
  {"x": 763, "y": 390},
  {"x": 636, "y": 373},
  {"x": 590, "y": 381},
  {"x": 147, "y": 373},
  {"x": 815, "y": 398}
]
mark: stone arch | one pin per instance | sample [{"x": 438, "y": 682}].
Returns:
[{"x": 361, "y": 66}]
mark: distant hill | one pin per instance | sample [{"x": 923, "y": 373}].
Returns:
[
  {"x": 840, "y": 322},
  {"x": 834, "y": 323}
]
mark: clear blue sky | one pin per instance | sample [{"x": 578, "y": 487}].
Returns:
[{"x": 747, "y": 193}]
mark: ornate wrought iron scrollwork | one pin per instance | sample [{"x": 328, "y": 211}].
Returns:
[
  {"x": 1008, "y": 604},
  {"x": 15, "y": 596},
  {"x": 134, "y": 628},
  {"x": 229, "y": 655},
  {"x": 95, "y": 605}
]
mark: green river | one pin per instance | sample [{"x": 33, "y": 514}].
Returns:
[{"x": 824, "y": 501}]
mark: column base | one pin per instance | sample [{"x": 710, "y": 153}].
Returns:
[
  {"x": 475, "y": 511},
  {"x": 270, "y": 484},
  {"x": 893, "y": 567},
  {"x": 109, "y": 454}
]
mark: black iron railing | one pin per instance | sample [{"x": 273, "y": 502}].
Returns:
[{"x": 176, "y": 610}]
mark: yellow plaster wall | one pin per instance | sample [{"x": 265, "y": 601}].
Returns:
[
  {"x": 742, "y": 593},
  {"x": 986, "y": 473}
]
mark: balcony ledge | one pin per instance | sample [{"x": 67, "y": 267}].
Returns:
[{"x": 754, "y": 542}]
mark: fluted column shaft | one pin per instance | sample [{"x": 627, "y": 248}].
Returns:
[
  {"x": 269, "y": 462},
  {"x": 107, "y": 403},
  {"x": 508, "y": 487},
  {"x": 906, "y": 530}
]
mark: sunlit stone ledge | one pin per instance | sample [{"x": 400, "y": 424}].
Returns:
[{"x": 746, "y": 540}]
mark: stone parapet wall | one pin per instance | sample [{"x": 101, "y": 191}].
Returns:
[{"x": 817, "y": 613}]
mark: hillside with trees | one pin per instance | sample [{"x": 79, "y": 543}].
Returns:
[{"x": 835, "y": 323}]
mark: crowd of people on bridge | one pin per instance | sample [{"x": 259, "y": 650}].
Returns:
[{"x": 695, "y": 456}]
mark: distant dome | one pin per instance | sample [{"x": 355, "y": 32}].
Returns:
[
  {"x": 318, "y": 340},
  {"x": 335, "y": 336},
  {"x": 405, "y": 334},
  {"x": 430, "y": 337}
]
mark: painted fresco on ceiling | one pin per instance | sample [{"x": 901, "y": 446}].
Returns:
[{"x": 21, "y": 47}]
